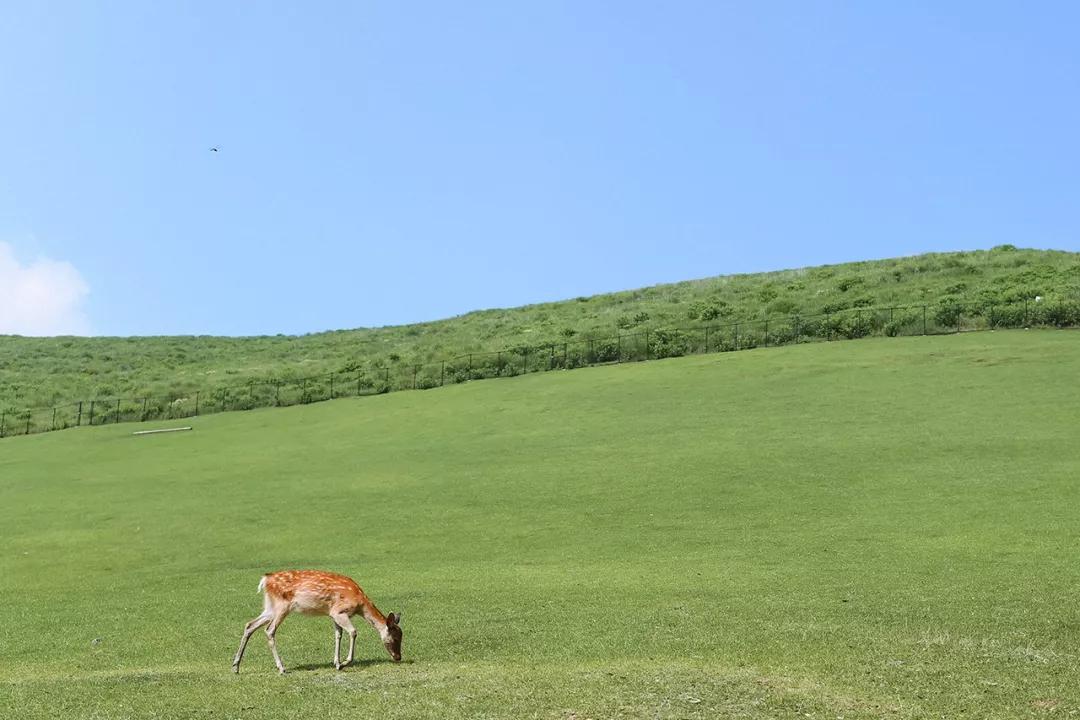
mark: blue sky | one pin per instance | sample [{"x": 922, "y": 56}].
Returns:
[{"x": 384, "y": 163}]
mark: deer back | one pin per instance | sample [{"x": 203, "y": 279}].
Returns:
[{"x": 314, "y": 592}]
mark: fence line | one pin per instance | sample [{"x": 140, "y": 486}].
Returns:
[{"x": 637, "y": 346}]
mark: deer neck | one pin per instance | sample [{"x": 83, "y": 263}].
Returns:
[{"x": 375, "y": 618}]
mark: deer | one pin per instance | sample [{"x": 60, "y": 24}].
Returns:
[{"x": 314, "y": 592}]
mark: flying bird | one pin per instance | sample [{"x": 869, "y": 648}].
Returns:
[{"x": 213, "y": 149}]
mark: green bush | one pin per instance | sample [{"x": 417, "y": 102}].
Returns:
[
  {"x": 948, "y": 312},
  {"x": 783, "y": 306},
  {"x": 667, "y": 343},
  {"x": 1061, "y": 314},
  {"x": 850, "y": 282}
]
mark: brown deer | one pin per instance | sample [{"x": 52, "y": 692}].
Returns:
[{"x": 314, "y": 592}]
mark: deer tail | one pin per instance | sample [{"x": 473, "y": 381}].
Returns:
[{"x": 262, "y": 584}]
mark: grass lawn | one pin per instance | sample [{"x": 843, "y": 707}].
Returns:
[{"x": 880, "y": 528}]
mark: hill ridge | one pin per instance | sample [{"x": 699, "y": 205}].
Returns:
[{"x": 41, "y": 372}]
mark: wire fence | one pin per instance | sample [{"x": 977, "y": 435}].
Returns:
[{"x": 630, "y": 346}]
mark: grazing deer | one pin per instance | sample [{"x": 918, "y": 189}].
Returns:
[{"x": 314, "y": 592}]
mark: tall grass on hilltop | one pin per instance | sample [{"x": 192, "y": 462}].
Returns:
[{"x": 43, "y": 372}]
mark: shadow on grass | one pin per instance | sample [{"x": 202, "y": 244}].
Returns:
[{"x": 356, "y": 664}]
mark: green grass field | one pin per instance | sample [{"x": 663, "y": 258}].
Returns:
[{"x": 881, "y": 528}]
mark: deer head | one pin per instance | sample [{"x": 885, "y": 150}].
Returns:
[{"x": 392, "y": 639}]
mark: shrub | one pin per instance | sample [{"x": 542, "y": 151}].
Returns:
[
  {"x": 667, "y": 343},
  {"x": 1062, "y": 314},
  {"x": 710, "y": 313},
  {"x": 848, "y": 283},
  {"x": 783, "y": 306},
  {"x": 606, "y": 350},
  {"x": 1011, "y": 315},
  {"x": 948, "y": 312},
  {"x": 625, "y": 322},
  {"x": 859, "y": 325},
  {"x": 706, "y": 310}
]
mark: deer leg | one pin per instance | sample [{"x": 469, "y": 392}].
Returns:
[
  {"x": 271, "y": 630},
  {"x": 343, "y": 623},
  {"x": 248, "y": 630},
  {"x": 337, "y": 645}
]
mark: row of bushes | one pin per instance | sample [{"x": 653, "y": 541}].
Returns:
[{"x": 623, "y": 347}]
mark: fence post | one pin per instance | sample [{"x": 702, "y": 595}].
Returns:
[
  {"x": 277, "y": 394},
  {"x": 442, "y": 374},
  {"x": 78, "y": 421},
  {"x": 224, "y": 399},
  {"x": 27, "y": 423},
  {"x": 303, "y": 393},
  {"x": 331, "y": 386},
  {"x": 3, "y": 419},
  {"x": 564, "y": 361},
  {"x": 92, "y": 412},
  {"x": 357, "y": 383},
  {"x": 551, "y": 361},
  {"x": 766, "y": 332},
  {"x": 958, "y": 314},
  {"x": 647, "y": 345},
  {"x": 736, "y": 336},
  {"x": 923, "y": 319},
  {"x": 525, "y": 362},
  {"x": 706, "y": 339},
  {"x": 143, "y": 418},
  {"x": 386, "y": 377},
  {"x": 414, "y": 377},
  {"x": 796, "y": 329},
  {"x": 118, "y": 410},
  {"x": 53, "y": 426},
  {"x": 1025, "y": 312}
]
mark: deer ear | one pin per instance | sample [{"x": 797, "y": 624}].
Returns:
[{"x": 391, "y": 619}]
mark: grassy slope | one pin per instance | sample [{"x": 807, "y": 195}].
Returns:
[
  {"x": 866, "y": 529},
  {"x": 40, "y": 372}
]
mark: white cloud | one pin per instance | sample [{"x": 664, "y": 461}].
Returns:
[{"x": 43, "y": 297}]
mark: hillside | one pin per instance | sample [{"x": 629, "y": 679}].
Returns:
[
  {"x": 40, "y": 372},
  {"x": 883, "y": 528}
]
